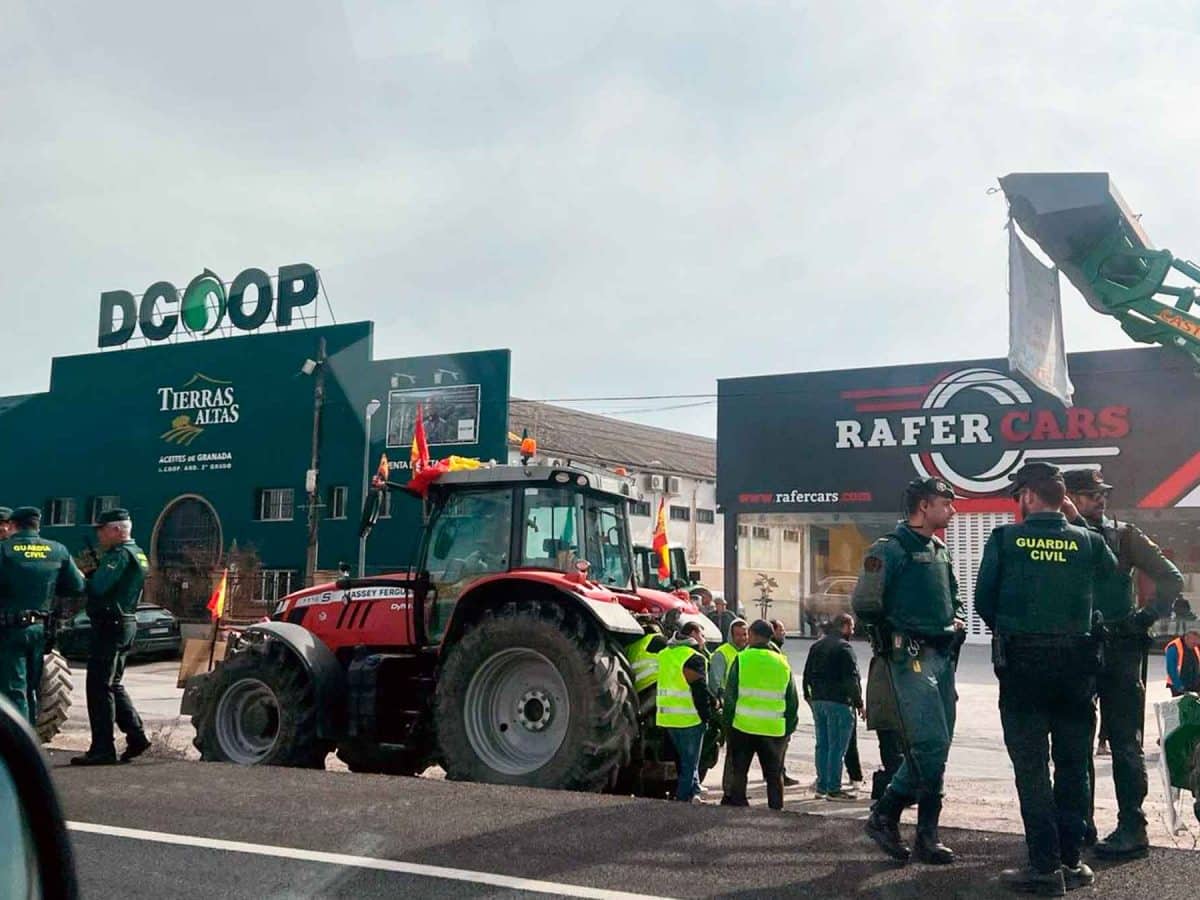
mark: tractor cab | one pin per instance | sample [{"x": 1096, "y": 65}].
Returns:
[{"x": 548, "y": 522}]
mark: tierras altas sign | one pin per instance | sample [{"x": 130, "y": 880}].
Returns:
[{"x": 205, "y": 305}]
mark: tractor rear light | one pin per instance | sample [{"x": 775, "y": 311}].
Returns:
[{"x": 562, "y": 477}]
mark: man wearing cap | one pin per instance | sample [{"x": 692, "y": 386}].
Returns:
[
  {"x": 6, "y": 524},
  {"x": 1120, "y": 682},
  {"x": 907, "y": 594},
  {"x": 1035, "y": 591},
  {"x": 33, "y": 571},
  {"x": 113, "y": 592}
]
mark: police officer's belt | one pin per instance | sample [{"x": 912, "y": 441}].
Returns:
[
  {"x": 21, "y": 618},
  {"x": 940, "y": 642}
]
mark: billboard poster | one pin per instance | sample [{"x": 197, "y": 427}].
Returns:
[
  {"x": 848, "y": 441},
  {"x": 450, "y": 413}
]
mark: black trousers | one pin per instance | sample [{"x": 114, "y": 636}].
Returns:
[
  {"x": 853, "y": 763},
  {"x": 740, "y": 750},
  {"x": 891, "y": 755},
  {"x": 107, "y": 699},
  {"x": 1047, "y": 711},
  {"x": 1122, "y": 710}
]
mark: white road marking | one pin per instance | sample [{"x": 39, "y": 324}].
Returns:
[{"x": 361, "y": 862}]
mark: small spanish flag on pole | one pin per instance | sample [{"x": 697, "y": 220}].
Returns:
[
  {"x": 659, "y": 543},
  {"x": 216, "y": 603},
  {"x": 216, "y": 606}
]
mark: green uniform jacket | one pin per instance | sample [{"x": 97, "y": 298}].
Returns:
[
  {"x": 1115, "y": 596},
  {"x": 791, "y": 710},
  {"x": 907, "y": 580},
  {"x": 33, "y": 571},
  {"x": 114, "y": 589},
  {"x": 1040, "y": 576}
]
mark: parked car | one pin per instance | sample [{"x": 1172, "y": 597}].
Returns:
[
  {"x": 832, "y": 597},
  {"x": 157, "y": 632}
]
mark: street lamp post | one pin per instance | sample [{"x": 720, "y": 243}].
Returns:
[{"x": 372, "y": 408}]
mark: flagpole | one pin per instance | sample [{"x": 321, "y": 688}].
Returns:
[{"x": 212, "y": 647}]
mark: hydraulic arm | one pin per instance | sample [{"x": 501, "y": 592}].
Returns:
[{"x": 1082, "y": 223}]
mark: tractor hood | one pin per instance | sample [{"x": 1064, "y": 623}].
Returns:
[{"x": 668, "y": 607}]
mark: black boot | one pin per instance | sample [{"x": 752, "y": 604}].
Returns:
[
  {"x": 135, "y": 746},
  {"x": 1031, "y": 881},
  {"x": 883, "y": 825},
  {"x": 1127, "y": 842},
  {"x": 927, "y": 848},
  {"x": 1078, "y": 876}
]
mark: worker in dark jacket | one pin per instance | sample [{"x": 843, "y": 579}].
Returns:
[
  {"x": 833, "y": 688},
  {"x": 1035, "y": 591},
  {"x": 761, "y": 706},
  {"x": 1120, "y": 683}
]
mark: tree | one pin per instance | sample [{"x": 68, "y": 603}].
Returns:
[{"x": 765, "y": 584}]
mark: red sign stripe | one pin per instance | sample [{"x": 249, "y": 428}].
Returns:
[
  {"x": 867, "y": 393},
  {"x": 887, "y": 405},
  {"x": 1174, "y": 487}
]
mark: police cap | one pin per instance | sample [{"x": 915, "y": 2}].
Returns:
[
  {"x": 1082, "y": 481},
  {"x": 5, "y": 513},
  {"x": 1033, "y": 473},
  {"x": 112, "y": 515},
  {"x": 27, "y": 515},
  {"x": 929, "y": 487}
]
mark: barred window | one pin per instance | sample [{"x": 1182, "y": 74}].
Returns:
[
  {"x": 705, "y": 516},
  {"x": 276, "y": 504}
]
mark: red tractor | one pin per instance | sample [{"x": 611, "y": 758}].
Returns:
[{"x": 500, "y": 656}]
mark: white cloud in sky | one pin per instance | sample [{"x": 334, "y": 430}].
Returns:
[{"x": 636, "y": 200}]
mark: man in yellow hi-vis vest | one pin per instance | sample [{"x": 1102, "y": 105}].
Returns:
[
  {"x": 683, "y": 709},
  {"x": 761, "y": 704}
]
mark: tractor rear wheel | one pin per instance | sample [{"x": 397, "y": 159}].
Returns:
[
  {"x": 533, "y": 695},
  {"x": 54, "y": 696},
  {"x": 260, "y": 711}
]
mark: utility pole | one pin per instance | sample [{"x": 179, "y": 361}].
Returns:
[{"x": 311, "y": 479}]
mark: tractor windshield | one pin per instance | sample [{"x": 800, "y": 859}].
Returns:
[{"x": 564, "y": 526}]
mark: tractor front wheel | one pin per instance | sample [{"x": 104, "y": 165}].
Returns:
[
  {"x": 533, "y": 696},
  {"x": 260, "y": 711}
]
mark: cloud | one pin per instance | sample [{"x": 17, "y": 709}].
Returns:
[{"x": 636, "y": 200}]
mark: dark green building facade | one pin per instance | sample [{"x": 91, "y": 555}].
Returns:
[{"x": 208, "y": 443}]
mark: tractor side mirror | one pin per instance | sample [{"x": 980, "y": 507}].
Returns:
[{"x": 370, "y": 513}]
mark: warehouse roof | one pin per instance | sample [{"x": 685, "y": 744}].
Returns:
[{"x": 589, "y": 438}]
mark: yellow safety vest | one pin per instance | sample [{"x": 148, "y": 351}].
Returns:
[
  {"x": 675, "y": 706},
  {"x": 763, "y": 679},
  {"x": 643, "y": 662},
  {"x": 730, "y": 653}
]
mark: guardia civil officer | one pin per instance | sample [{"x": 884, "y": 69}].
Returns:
[
  {"x": 113, "y": 591},
  {"x": 1035, "y": 591},
  {"x": 907, "y": 591},
  {"x": 6, "y": 524},
  {"x": 1120, "y": 682},
  {"x": 33, "y": 571}
]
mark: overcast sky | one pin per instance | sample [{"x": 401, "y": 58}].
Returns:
[{"x": 636, "y": 200}]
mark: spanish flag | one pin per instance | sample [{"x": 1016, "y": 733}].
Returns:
[
  {"x": 659, "y": 543},
  {"x": 381, "y": 474},
  {"x": 216, "y": 603},
  {"x": 419, "y": 456}
]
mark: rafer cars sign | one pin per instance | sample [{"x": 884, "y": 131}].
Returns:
[
  {"x": 205, "y": 305},
  {"x": 850, "y": 440}
]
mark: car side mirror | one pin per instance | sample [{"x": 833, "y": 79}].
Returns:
[{"x": 37, "y": 861}]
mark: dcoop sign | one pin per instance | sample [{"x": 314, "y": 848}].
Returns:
[{"x": 204, "y": 306}]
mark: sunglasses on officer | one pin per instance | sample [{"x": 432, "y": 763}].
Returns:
[{"x": 1096, "y": 494}]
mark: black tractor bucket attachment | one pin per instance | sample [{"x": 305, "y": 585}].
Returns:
[{"x": 1082, "y": 223}]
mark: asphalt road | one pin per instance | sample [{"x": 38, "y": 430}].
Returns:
[{"x": 386, "y": 829}]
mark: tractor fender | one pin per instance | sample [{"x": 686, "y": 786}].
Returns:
[
  {"x": 328, "y": 676},
  {"x": 610, "y": 616}
]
